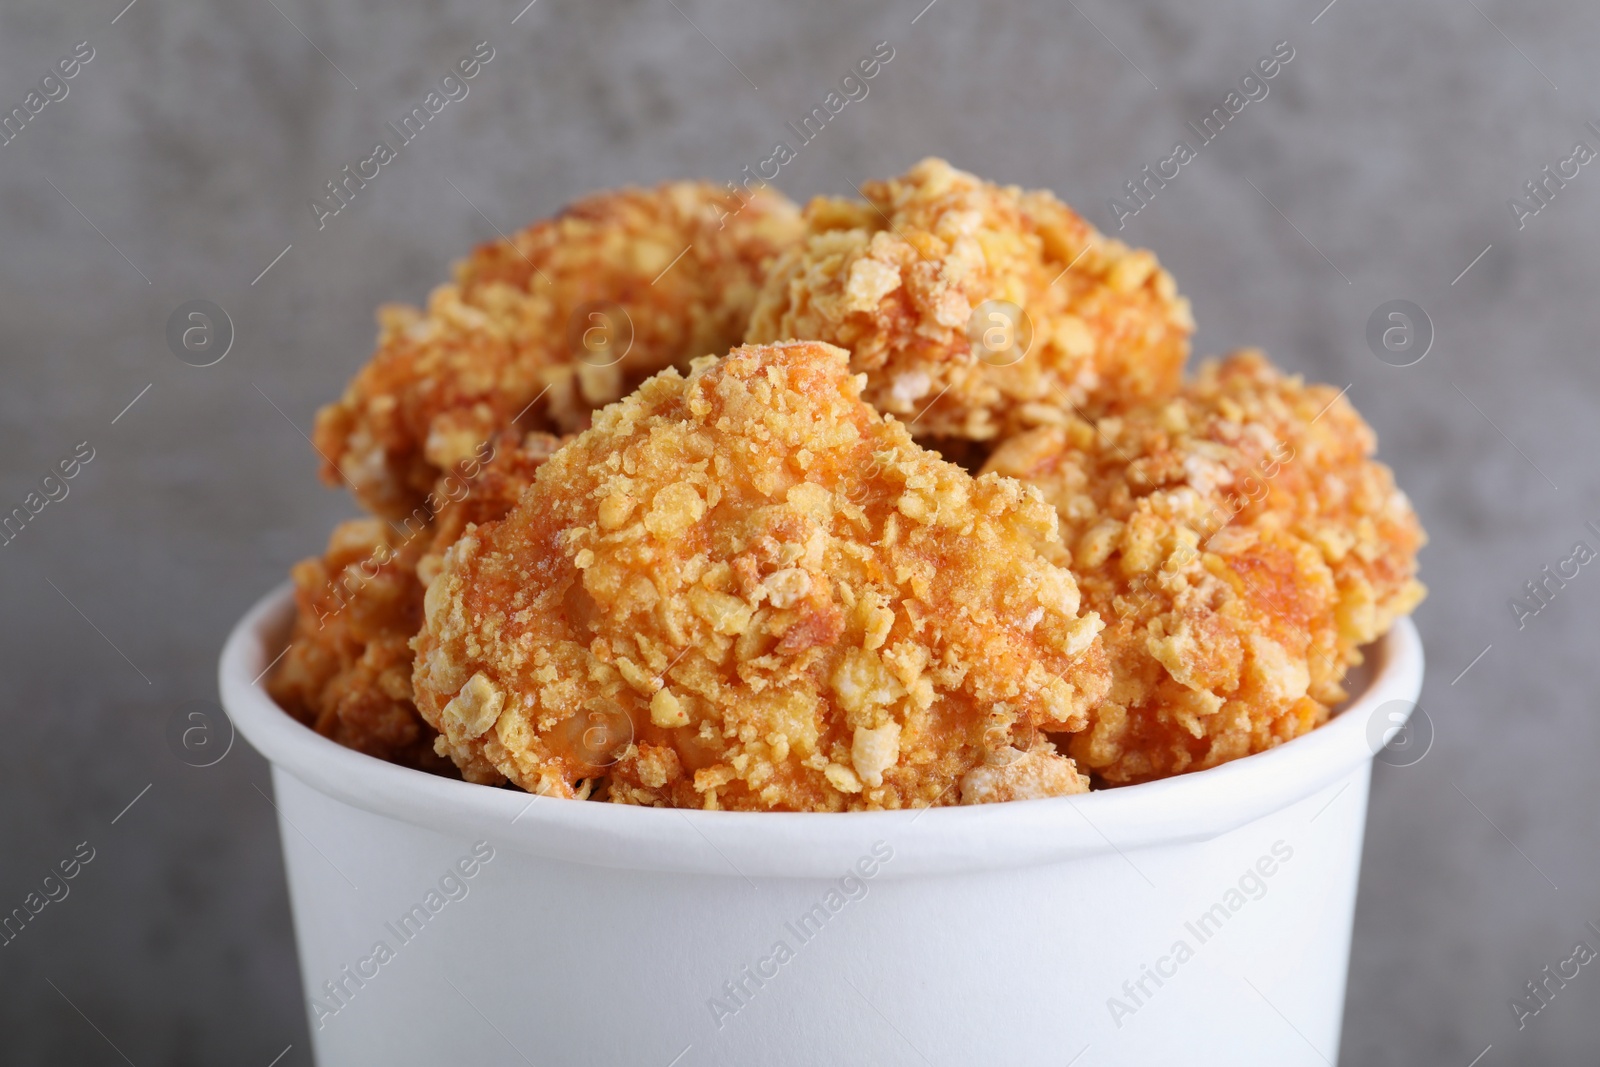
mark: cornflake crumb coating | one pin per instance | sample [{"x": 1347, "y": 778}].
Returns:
[
  {"x": 347, "y": 671},
  {"x": 1241, "y": 544},
  {"x": 896, "y": 280},
  {"x": 684, "y": 261},
  {"x": 746, "y": 589}
]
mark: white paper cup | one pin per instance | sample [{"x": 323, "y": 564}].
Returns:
[{"x": 1205, "y": 918}]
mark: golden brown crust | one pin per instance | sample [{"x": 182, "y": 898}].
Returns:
[
  {"x": 530, "y": 327},
  {"x": 746, "y": 589},
  {"x": 897, "y": 280},
  {"x": 1242, "y": 546},
  {"x": 347, "y": 672},
  {"x": 749, "y": 588}
]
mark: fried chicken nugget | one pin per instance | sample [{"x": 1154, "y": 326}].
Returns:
[
  {"x": 347, "y": 671},
  {"x": 571, "y": 312},
  {"x": 922, "y": 281},
  {"x": 746, "y": 589},
  {"x": 1241, "y": 544}
]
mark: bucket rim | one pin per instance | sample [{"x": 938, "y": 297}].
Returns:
[{"x": 949, "y": 840}]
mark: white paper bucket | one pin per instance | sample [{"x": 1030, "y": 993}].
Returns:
[{"x": 1201, "y": 919}]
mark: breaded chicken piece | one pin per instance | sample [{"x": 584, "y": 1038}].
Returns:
[
  {"x": 1241, "y": 544},
  {"x": 565, "y": 316},
  {"x": 746, "y": 589},
  {"x": 347, "y": 672},
  {"x": 909, "y": 282}
]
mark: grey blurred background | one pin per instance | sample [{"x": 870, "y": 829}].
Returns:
[{"x": 180, "y": 164}]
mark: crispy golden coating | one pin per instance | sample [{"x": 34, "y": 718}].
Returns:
[
  {"x": 1241, "y": 544},
  {"x": 347, "y": 672},
  {"x": 567, "y": 315},
  {"x": 746, "y": 589},
  {"x": 906, "y": 279}
]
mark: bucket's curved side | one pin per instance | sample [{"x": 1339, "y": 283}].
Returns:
[{"x": 420, "y": 948}]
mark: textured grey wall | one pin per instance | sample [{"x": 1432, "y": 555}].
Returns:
[{"x": 191, "y": 142}]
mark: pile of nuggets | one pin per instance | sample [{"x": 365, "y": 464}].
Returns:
[{"x": 688, "y": 497}]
